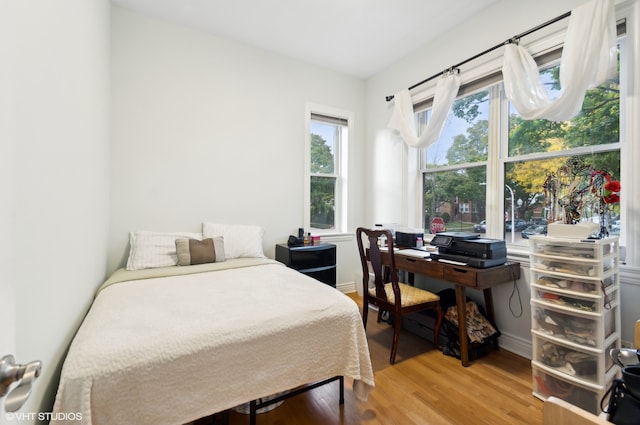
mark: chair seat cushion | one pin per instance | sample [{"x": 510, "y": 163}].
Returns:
[{"x": 409, "y": 295}]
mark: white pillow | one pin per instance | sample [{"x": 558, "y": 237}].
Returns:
[
  {"x": 155, "y": 249},
  {"x": 239, "y": 240}
]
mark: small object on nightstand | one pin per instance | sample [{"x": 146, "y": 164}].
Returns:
[{"x": 293, "y": 241}]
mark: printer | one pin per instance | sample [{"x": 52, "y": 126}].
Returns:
[
  {"x": 470, "y": 249},
  {"x": 410, "y": 238}
]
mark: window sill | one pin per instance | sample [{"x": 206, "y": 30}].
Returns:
[{"x": 332, "y": 236}]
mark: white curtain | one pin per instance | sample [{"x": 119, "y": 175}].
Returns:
[
  {"x": 588, "y": 59},
  {"x": 402, "y": 118}
]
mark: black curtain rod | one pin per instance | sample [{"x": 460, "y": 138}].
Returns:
[{"x": 491, "y": 49}]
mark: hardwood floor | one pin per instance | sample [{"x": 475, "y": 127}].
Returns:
[{"x": 424, "y": 387}]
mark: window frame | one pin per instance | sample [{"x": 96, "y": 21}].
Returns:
[
  {"x": 340, "y": 171},
  {"x": 545, "y": 42}
]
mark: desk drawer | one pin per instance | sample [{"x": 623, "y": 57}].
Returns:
[
  {"x": 419, "y": 266},
  {"x": 466, "y": 276}
]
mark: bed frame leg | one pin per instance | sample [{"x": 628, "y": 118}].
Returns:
[
  {"x": 254, "y": 405},
  {"x": 252, "y": 412}
]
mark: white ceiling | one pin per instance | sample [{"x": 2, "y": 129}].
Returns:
[{"x": 356, "y": 37}]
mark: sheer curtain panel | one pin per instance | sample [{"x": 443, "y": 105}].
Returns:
[
  {"x": 588, "y": 59},
  {"x": 402, "y": 118}
]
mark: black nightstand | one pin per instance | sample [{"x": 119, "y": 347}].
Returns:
[{"x": 317, "y": 261}]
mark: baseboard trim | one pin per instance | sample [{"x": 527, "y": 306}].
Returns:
[
  {"x": 346, "y": 287},
  {"x": 516, "y": 345}
]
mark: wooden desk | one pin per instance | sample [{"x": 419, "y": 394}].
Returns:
[{"x": 462, "y": 277}]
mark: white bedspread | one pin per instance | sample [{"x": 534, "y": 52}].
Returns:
[{"x": 172, "y": 349}]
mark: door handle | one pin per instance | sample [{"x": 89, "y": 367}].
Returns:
[{"x": 11, "y": 372}]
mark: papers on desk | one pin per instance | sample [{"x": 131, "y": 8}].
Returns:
[
  {"x": 386, "y": 249},
  {"x": 457, "y": 263},
  {"x": 419, "y": 253}
]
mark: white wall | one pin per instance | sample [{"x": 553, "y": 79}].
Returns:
[
  {"x": 8, "y": 175},
  {"x": 206, "y": 129},
  {"x": 58, "y": 205}
]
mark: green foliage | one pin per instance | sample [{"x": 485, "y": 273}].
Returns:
[
  {"x": 322, "y": 188},
  {"x": 468, "y": 107},
  {"x": 470, "y": 148},
  {"x": 323, "y": 202},
  {"x": 597, "y": 123},
  {"x": 447, "y": 187},
  {"x": 321, "y": 157},
  {"x": 531, "y": 136}
]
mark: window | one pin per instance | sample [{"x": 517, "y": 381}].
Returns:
[
  {"x": 454, "y": 169},
  {"x": 326, "y": 158},
  {"x": 539, "y": 148},
  {"x": 489, "y": 166}
]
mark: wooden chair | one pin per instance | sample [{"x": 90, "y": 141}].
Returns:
[{"x": 388, "y": 294}]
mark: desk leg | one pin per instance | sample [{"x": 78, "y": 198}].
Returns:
[
  {"x": 488, "y": 303},
  {"x": 462, "y": 325}
]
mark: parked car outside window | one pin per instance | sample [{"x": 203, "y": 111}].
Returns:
[
  {"x": 480, "y": 227},
  {"x": 520, "y": 224},
  {"x": 538, "y": 221},
  {"x": 534, "y": 230},
  {"x": 615, "y": 227}
]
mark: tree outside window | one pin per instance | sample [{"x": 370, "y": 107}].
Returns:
[{"x": 323, "y": 184}]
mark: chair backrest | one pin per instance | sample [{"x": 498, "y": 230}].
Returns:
[{"x": 375, "y": 257}]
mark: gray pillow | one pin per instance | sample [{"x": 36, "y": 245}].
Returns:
[{"x": 193, "y": 251}]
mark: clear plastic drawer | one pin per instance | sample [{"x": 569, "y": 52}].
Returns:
[
  {"x": 573, "y": 326},
  {"x": 586, "y": 365},
  {"x": 596, "y": 249},
  {"x": 576, "y": 285},
  {"x": 547, "y": 384},
  {"x": 577, "y": 294},
  {"x": 566, "y": 267}
]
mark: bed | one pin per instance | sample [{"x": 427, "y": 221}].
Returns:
[{"x": 168, "y": 345}]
